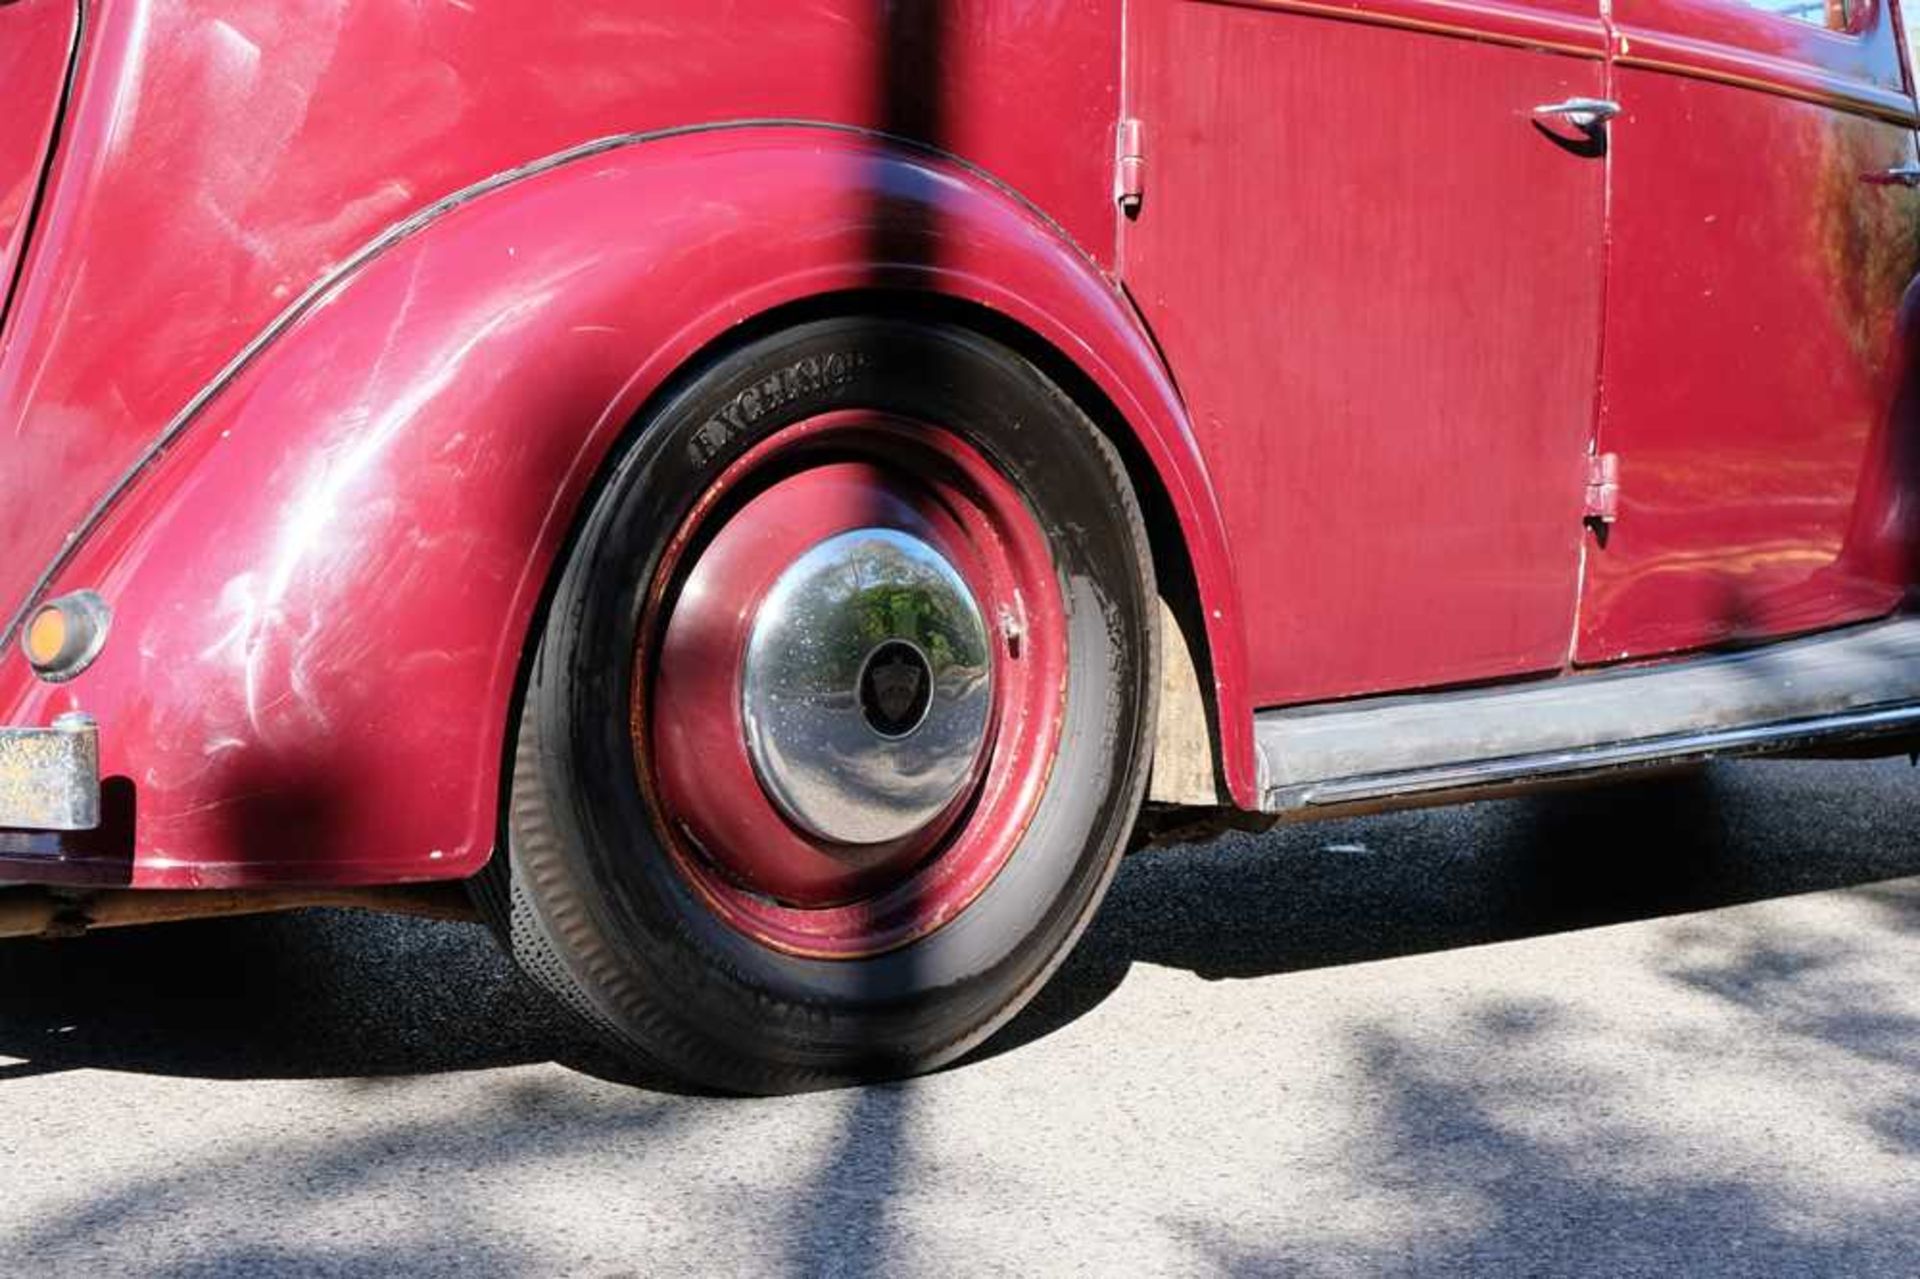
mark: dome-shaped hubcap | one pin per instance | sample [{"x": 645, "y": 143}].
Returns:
[{"x": 867, "y": 687}]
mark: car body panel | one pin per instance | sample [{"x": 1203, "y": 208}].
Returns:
[
  {"x": 323, "y": 589},
  {"x": 1753, "y": 360},
  {"x": 330, "y": 320},
  {"x": 220, "y": 156},
  {"x": 1344, "y": 220},
  {"x": 36, "y": 45}
]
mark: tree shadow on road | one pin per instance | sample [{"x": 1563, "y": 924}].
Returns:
[
  {"x": 334, "y": 994},
  {"x": 226, "y": 1189},
  {"x": 1377, "y": 887},
  {"x": 1524, "y": 1157},
  {"x": 312, "y": 994},
  {"x": 1501, "y": 1136}
]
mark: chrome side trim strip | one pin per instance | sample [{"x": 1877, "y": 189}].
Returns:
[
  {"x": 1560, "y": 765},
  {"x": 1859, "y": 681}
]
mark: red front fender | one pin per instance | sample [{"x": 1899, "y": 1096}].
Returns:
[{"x": 324, "y": 586}]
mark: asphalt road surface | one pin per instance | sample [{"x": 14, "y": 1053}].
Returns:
[{"x": 1665, "y": 1028}]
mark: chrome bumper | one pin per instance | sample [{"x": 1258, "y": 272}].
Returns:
[{"x": 50, "y": 777}]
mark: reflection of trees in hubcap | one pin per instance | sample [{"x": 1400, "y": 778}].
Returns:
[
  {"x": 867, "y": 686},
  {"x": 885, "y": 586}
]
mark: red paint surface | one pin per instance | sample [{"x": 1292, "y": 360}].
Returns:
[
  {"x": 324, "y": 588},
  {"x": 220, "y": 155},
  {"x": 36, "y": 39},
  {"x": 1752, "y": 351},
  {"x": 323, "y": 591},
  {"x": 1379, "y": 287}
]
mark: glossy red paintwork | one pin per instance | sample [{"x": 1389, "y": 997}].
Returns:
[
  {"x": 758, "y": 871},
  {"x": 1755, "y": 273},
  {"x": 1385, "y": 319},
  {"x": 319, "y": 629},
  {"x": 1365, "y": 330},
  {"x": 266, "y": 145},
  {"x": 36, "y": 40}
]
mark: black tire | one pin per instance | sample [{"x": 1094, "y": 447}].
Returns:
[{"x": 593, "y": 910}]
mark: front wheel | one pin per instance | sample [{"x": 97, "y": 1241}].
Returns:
[{"x": 840, "y": 715}]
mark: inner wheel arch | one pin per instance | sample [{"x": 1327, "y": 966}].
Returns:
[{"x": 1173, "y": 565}]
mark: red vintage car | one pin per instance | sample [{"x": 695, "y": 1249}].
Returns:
[{"x": 759, "y": 495}]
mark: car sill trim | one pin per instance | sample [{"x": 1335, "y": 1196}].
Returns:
[
  {"x": 1859, "y": 683},
  {"x": 1567, "y": 765}
]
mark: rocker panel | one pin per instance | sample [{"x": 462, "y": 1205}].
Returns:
[{"x": 1862, "y": 682}]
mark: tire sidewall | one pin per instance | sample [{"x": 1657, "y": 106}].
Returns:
[{"x": 662, "y": 970}]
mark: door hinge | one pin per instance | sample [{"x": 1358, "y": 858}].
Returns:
[
  {"x": 1129, "y": 168},
  {"x": 1603, "y": 488}
]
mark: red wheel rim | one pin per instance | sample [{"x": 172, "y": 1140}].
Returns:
[{"x": 731, "y": 833}]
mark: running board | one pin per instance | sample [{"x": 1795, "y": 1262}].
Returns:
[{"x": 1858, "y": 683}]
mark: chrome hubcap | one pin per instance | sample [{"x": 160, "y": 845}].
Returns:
[{"x": 867, "y": 687}]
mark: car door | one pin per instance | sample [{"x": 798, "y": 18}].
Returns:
[
  {"x": 36, "y": 44},
  {"x": 1376, "y": 274},
  {"x": 1762, "y": 240}
]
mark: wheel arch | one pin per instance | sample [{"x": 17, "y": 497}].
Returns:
[
  {"x": 1193, "y": 749},
  {"x": 396, "y": 470}
]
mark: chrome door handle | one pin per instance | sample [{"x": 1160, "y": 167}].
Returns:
[
  {"x": 1901, "y": 175},
  {"x": 1581, "y": 113}
]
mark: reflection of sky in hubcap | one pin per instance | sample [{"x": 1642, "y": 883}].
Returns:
[{"x": 867, "y": 687}]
